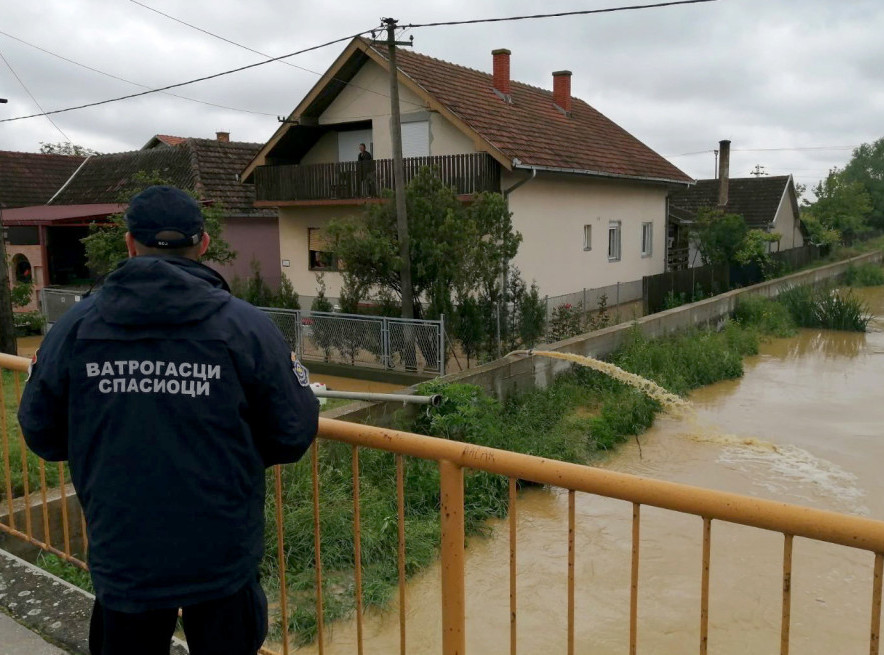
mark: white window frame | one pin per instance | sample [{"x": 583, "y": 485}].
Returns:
[
  {"x": 587, "y": 237},
  {"x": 614, "y": 244},
  {"x": 647, "y": 244}
]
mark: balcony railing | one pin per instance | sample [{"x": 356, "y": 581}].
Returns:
[{"x": 467, "y": 174}]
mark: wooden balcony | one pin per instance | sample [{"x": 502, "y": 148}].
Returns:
[{"x": 353, "y": 180}]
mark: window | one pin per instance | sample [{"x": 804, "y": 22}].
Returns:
[
  {"x": 647, "y": 239},
  {"x": 614, "y": 241},
  {"x": 321, "y": 255},
  {"x": 416, "y": 139},
  {"x": 587, "y": 237}
]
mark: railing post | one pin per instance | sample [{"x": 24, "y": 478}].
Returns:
[
  {"x": 385, "y": 339},
  {"x": 453, "y": 600},
  {"x": 442, "y": 354},
  {"x": 299, "y": 333}
]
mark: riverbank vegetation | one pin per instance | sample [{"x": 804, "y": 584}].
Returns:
[{"x": 579, "y": 417}]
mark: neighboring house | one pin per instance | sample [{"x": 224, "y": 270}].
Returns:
[
  {"x": 26, "y": 179},
  {"x": 589, "y": 198},
  {"x": 768, "y": 203},
  {"x": 93, "y": 193}
]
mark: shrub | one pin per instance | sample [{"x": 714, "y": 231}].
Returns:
[
  {"x": 864, "y": 275},
  {"x": 769, "y": 316},
  {"x": 566, "y": 321},
  {"x": 827, "y": 308}
]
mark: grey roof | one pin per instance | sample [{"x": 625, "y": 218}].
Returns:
[
  {"x": 755, "y": 198},
  {"x": 28, "y": 178},
  {"x": 207, "y": 167}
]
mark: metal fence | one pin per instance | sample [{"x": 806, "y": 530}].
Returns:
[
  {"x": 368, "y": 341},
  {"x": 55, "y": 302},
  {"x": 590, "y": 299}
]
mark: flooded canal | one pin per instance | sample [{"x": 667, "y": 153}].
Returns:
[{"x": 805, "y": 425}]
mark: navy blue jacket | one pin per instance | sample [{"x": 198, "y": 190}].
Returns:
[{"x": 169, "y": 397}]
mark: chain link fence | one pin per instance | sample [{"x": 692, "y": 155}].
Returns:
[
  {"x": 368, "y": 341},
  {"x": 591, "y": 299},
  {"x": 55, "y": 302}
]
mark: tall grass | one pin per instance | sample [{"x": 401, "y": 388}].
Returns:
[
  {"x": 824, "y": 307},
  {"x": 14, "y": 441},
  {"x": 864, "y": 275}
]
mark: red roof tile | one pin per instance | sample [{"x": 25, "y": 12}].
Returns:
[
  {"x": 28, "y": 178},
  {"x": 531, "y": 128}
]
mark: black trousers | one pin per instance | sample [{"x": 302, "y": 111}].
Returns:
[{"x": 235, "y": 625}]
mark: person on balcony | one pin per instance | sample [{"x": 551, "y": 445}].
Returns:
[
  {"x": 365, "y": 172},
  {"x": 170, "y": 397}
]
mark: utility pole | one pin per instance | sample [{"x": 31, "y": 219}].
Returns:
[
  {"x": 399, "y": 173},
  {"x": 758, "y": 171}
]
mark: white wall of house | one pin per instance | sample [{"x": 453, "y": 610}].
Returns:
[
  {"x": 551, "y": 212},
  {"x": 786, "y": 224},
  {"x": 294, "y": 229}
]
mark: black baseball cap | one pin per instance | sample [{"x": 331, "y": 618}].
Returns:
[{"x": 165, "y": 209}]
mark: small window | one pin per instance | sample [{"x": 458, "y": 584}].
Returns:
[
  {"x": 587, "y": 237},
  {"x": 614, "y": 241},
  {"x": 647, "y": 239},
  {"x": 320, "y": 251}
]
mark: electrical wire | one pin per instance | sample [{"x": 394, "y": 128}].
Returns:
[
  {"x": 194, "y": 81},
  {"x": 557, "y": 14},
  {"x": 800, "y": 149},
  {"x": 123, "y": 79},
  {"x": 264, "y": 54},
  {"x": 24, "y": 86},
  {"x": 347, "y": 38}
]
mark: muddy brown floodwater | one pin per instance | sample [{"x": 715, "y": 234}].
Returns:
[{"x": 805, "y": 425}]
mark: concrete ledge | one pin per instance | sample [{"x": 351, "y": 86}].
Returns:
[{"x": 48, "y": 605}]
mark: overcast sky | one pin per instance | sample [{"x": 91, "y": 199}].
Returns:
[{"x": 766, "y": 74}]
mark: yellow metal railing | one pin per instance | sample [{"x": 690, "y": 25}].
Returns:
[{"x": 454, "y": 457}]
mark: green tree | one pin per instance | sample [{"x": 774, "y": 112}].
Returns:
[
  {"x": 106, "y": 246},
  {"x": 866, "y": 167},
  {"x": 454, "y": 249},
  {"x": 66, "y": 148},
  {"x": 755, "y": 249},
  {"x": 842, "y": 205},
  {"x": 718, "y": 235},
  {"x": 287, "y": 298}
]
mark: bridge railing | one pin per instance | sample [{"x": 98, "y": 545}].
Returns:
[{"x": 454, "y": 459}]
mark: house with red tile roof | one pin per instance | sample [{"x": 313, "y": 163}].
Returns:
[
  {"x": 48, "y": 231},
  {"x": 28, "y": 178},
  {"x": 588, "y": 197}
]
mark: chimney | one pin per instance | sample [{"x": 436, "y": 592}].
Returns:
[
  {"x": 724, "y": 167},
  {"x": 223, "y": 137},
  {"x": 502, "y": 71},
  {"x": 562, "y": 90}
]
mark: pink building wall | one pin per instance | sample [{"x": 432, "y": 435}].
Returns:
[{"x": 252, "y": 238}]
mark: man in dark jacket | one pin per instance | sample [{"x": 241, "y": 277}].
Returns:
[{"x": 169, "y": 397}]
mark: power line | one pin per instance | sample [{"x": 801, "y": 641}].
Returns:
[
  {"x": 353, "y": 36},
  {"x": 123, "y": 79},
  {"x": 557, "y": 14},
  {"x": 194, "y": 81},
  {"x": 263, "y": 54},
  {"x": 807, "y": 148},
  {"x": 12, "y": 70}
]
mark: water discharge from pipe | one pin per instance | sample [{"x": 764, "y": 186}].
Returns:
[{"x": 672, "y": 403}]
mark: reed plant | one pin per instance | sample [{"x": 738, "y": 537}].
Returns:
[{"x": 827, "y": 308}]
